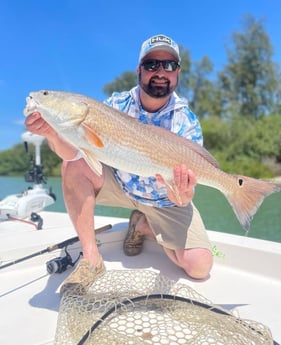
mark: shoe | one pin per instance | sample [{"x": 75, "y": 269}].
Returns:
[
  {"x": 133, "y": 242},
  {"x": 81, "y": 279}
]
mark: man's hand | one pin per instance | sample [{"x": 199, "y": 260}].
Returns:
[
  {"x": 37, "y": 125},
  {"x": 181, "y": 191}
]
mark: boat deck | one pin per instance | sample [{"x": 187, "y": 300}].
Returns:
[{"x": 246, "y": 276}]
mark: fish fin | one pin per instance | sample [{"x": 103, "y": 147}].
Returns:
[
  {"x": 204, "y": 153},
  {"x": 94, "y": 164},
  {"x": 248, "y": 196},
  {"x": 92, "y": 136},
  {"x": 172, "y": 187}
]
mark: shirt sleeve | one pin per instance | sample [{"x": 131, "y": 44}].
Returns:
[
  {"x": 186, "y": 124},
  {"x": 119, "y": 100},
  {"x": 109, "y": 101}
]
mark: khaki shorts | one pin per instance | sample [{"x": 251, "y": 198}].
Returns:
[{"x": 174, "y": 227}]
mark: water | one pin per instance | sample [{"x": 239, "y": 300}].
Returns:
[{"x": 215, "y": 210}]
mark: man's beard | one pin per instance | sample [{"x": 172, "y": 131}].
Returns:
[{"x": 156, "y": 91}]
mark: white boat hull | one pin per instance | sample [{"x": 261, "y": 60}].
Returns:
[{"x": 245, "y": 278}]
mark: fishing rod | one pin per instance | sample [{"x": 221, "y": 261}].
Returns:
[{"x": 49, "y": 249}]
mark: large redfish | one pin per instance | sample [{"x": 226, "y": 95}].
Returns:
[{"x": 106, "y": 135}]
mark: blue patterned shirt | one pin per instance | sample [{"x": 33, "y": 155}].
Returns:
[{"x": 174, "y": 116}]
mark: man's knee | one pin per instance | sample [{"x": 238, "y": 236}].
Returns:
[
  {"x": 69, "y": 168},
  {"x": 79, "y": 171},
  {"x": 196, "y": 262}
]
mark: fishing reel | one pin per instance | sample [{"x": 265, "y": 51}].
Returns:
[{"x": 60, "y": 264}]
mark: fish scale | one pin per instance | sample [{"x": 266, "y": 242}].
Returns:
[
  {"x": 141, "y": 142},
  {"x": 106, "y": 135}
]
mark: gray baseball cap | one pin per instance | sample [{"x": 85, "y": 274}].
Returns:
[{"x": 159, "y": 42}]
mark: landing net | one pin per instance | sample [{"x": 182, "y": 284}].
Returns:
[{"x": 134, "y": 307}]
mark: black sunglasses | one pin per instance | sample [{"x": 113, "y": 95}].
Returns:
[{"x": 153, "y": 65}]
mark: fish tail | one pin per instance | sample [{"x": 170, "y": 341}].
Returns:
[{"x": 247, "y": 197}]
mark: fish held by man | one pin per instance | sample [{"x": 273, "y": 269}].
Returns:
[{"x": 106, "y": 135}]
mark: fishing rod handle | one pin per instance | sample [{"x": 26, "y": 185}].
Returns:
[{"x": 76, "y": 239}]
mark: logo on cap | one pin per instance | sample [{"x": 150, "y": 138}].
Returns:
[{"x": 160, "y": 39}]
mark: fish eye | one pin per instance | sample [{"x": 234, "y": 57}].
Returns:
[{"x": 45, "y": 93}]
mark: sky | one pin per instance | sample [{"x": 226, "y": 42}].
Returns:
[{"x": 81, "y": 45}]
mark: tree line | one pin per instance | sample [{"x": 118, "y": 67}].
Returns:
[{"x": 239, "y": 106}]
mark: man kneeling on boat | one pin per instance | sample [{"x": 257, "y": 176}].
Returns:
[{"x": 160, "y": 210}]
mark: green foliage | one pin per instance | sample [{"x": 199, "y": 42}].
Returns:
[
  {"x": 16, "y": 161},
  {"x": 250, "y": 79},
  {"x": 203, "y": 95},
  {"x": 243, "y": 148},
  {"x": 125, "y": 82},
  {"x": 241, "y": 164},
  {"x": 13, "y": 161},
  {"x": 216, "y": 133},
  {"x": 264, "y": 138},
  {"x": 184, "y": 87}
]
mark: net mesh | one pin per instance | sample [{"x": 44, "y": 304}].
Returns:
[{"x": 131, "y": 307}]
